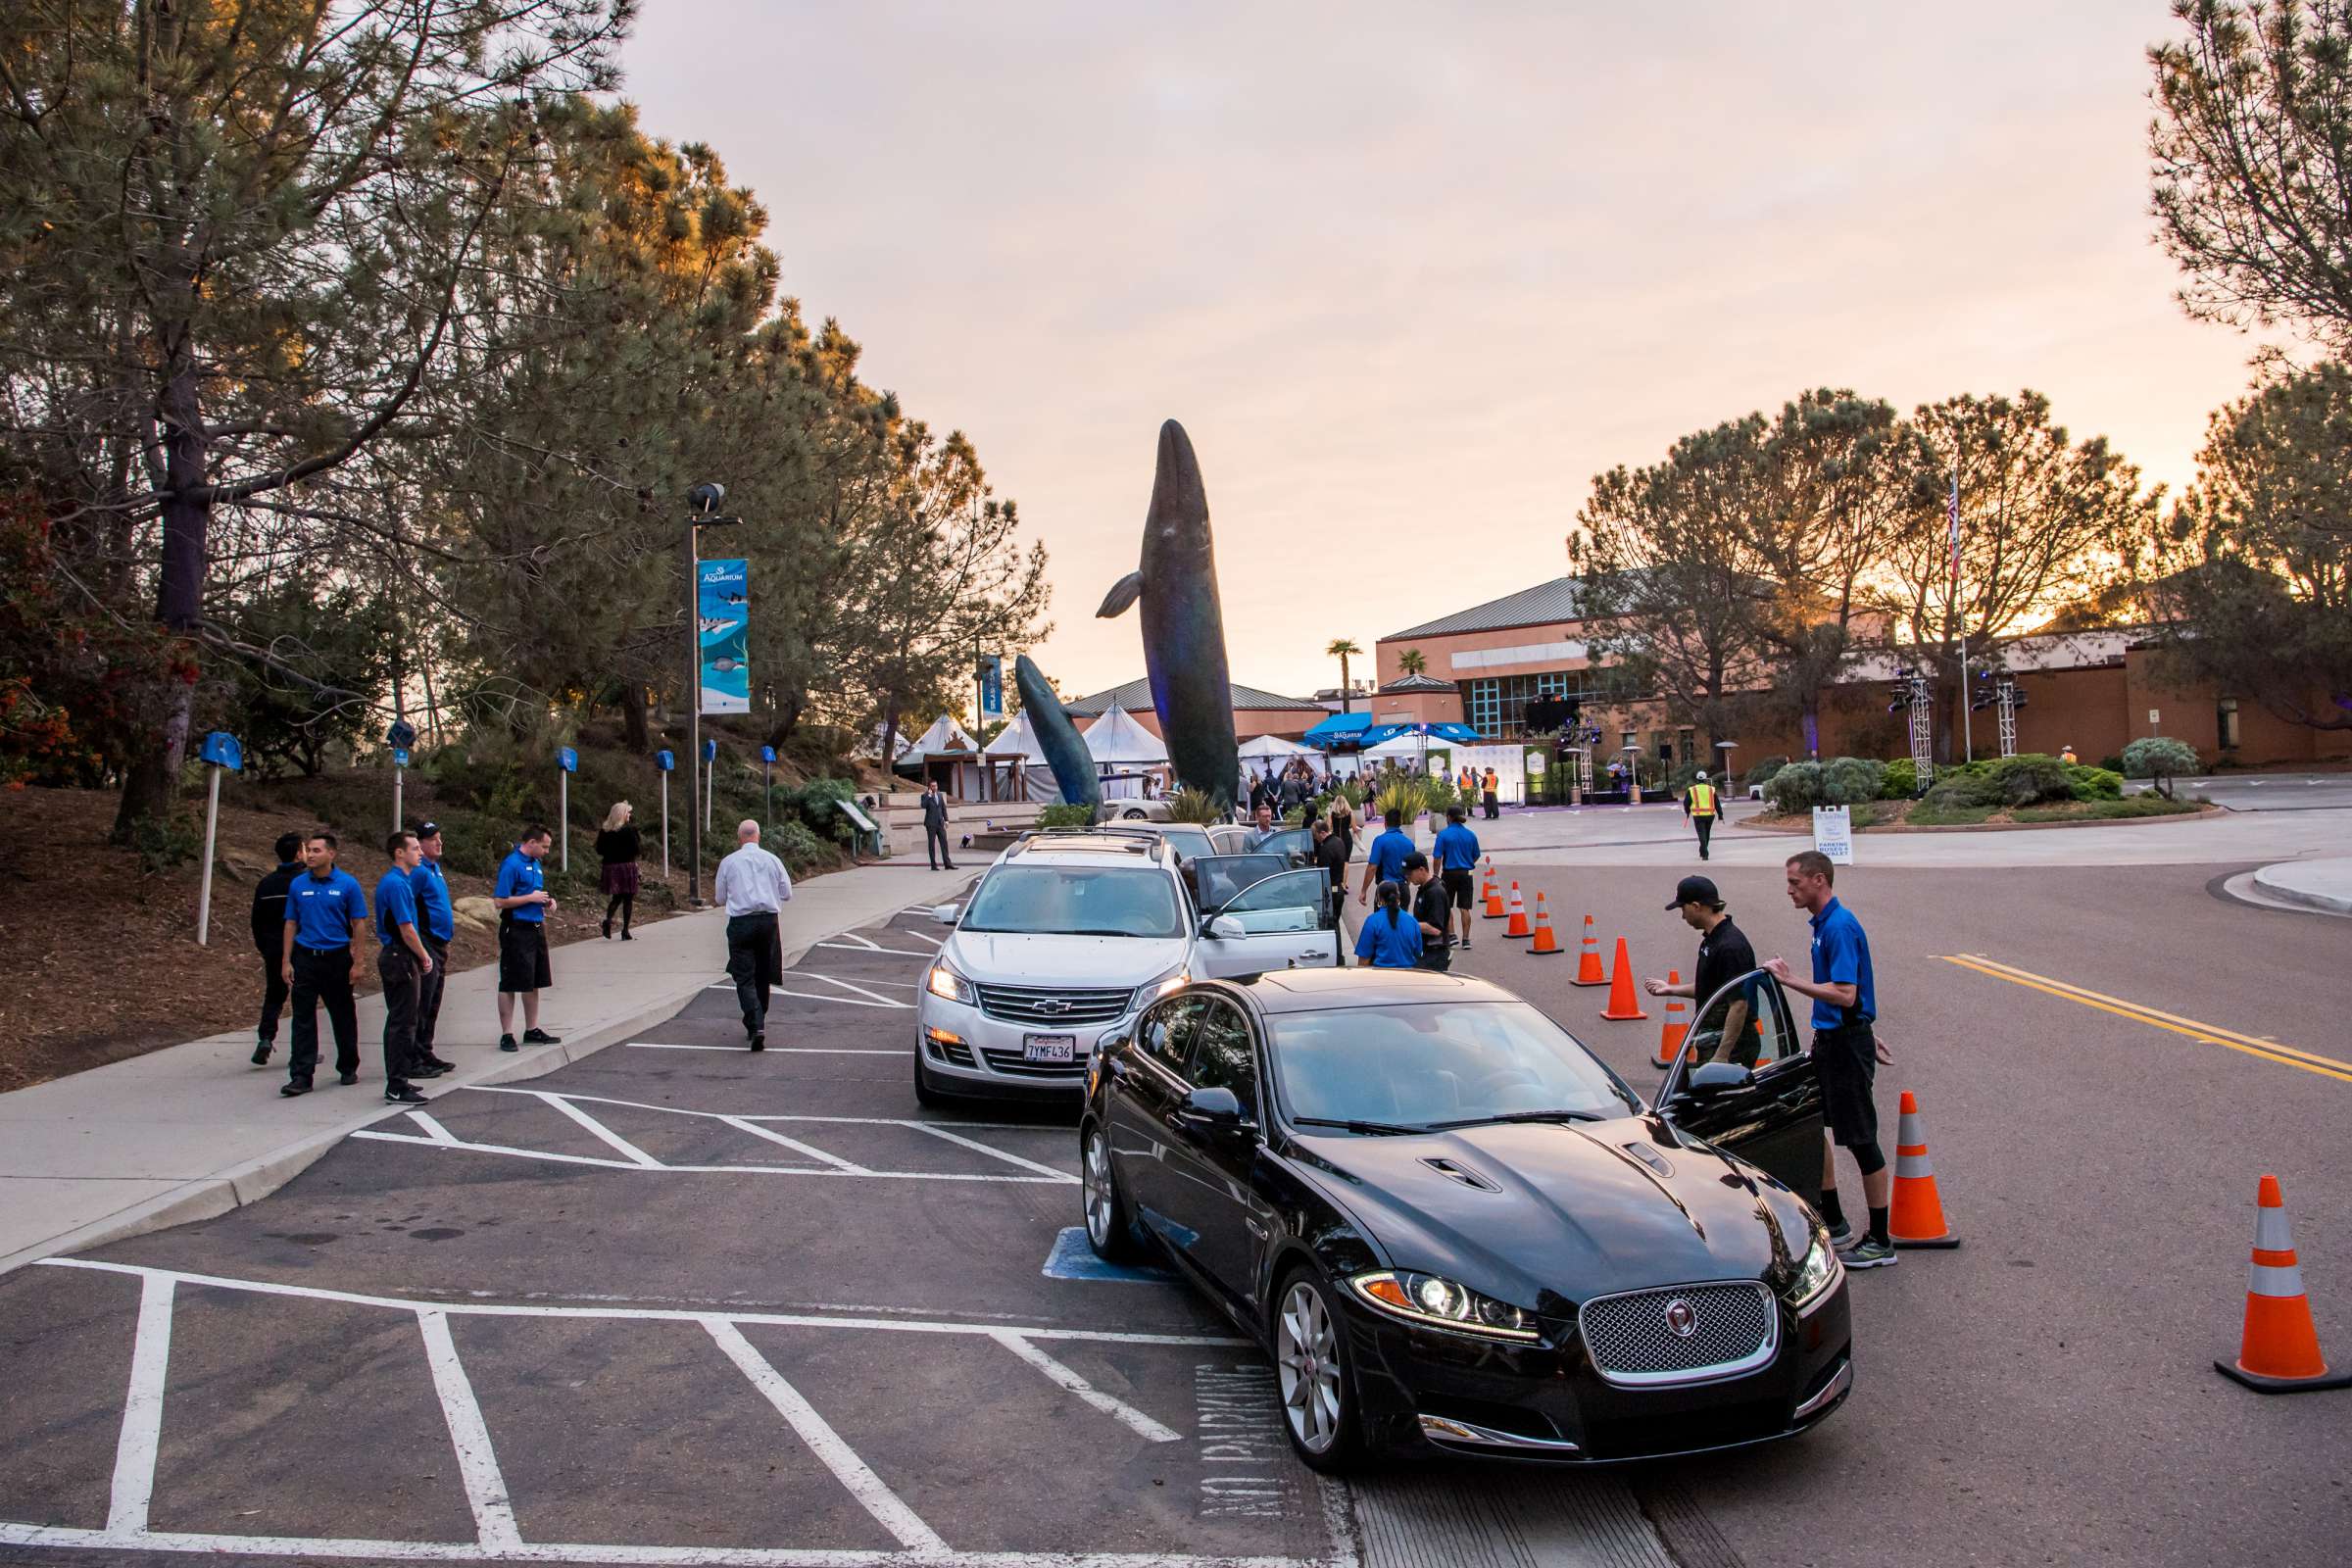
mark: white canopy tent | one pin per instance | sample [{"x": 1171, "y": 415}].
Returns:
[
  {"x": 1263, "y": 745},
  {"x": 943, "y": 736},
  {"x": 1016, "y": 742},
  {"x": 1116, "y": 740}
]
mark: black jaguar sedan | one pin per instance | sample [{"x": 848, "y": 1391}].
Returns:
[{"x": 1448, "y": 1221}]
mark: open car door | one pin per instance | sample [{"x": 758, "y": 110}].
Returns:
[
  {"x": 1745, "y": 1083},
  {"x": 1256, "y": 916}
]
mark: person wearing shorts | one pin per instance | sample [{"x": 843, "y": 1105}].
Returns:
[
  {"x": 1846, "y": 1052},
  {"x": 1455, "y": 850},
  {"x": 522, "y": 901}
]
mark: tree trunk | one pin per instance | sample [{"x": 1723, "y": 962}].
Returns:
[
  {"x": 152, "y": 779},
  {"x": 432, "y": 706},
  {"x": 786, "y": 718},
  {"x": 634, "y": 730}
]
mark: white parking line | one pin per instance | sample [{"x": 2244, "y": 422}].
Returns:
[
  {"x": 810, "y": 1149},
  {"x": 896, "y": 952},
  {"x": 604, "y": 1133},
  {"x": 937, "y": 1130},
  {"x": 983, "y": 1177},
  {"x": 142, "y": 1409},
  {"x": 890, "y": 1511},
  {"x": 477, "y": 1463},
  {"x": 1135, "y": 1420},
  {"x": 432, "y": 1129},
  {"x": 781, "y": 1051}
]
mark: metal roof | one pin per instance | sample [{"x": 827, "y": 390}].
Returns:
[
  {"x": 1559, "y": 600},
  {"x": 1418, "y": 683},
  {"x": 1136, "y": 697}
]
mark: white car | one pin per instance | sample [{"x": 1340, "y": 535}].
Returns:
[{"x": 1070, "y": 932}]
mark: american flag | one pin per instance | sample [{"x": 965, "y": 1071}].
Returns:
[{"x": 1953, "y": 514}]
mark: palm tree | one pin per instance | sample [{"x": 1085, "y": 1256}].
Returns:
[
  {"x": 1413, "y": 662},
  {"x": 1340, "y": 649}
]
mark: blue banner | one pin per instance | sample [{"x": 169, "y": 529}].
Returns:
[
  {"x": 992, "y": 687},
  {"x": 723, "y": 607}
]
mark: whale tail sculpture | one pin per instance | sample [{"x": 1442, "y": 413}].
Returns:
[
  {"x": 1184, "y": 624},
  {"x": 1065, "y": 749}
]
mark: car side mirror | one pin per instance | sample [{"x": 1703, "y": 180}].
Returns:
[
  {"x": 1225, "y": 928},
  {"x": 944, "y": 913},
  {"x": 1715, "y": 1076},
  {"x": 1216, "y": 1109}
]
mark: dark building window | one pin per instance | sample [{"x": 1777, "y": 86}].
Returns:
[
  {"x": 2225, "y": 721},
  {"x": 1497, "y": 705}
]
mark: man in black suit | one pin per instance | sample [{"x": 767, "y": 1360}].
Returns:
[
  {"x": 269, "y": 936},
  {"x": 935, "y": 826}
]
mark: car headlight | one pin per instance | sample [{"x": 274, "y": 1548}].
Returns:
[
  {"x": 1813, "y": 1277},
  {"x": 1438, "y": 1302},
  {"x": 946, "y": 983},
  {"x": 1157, "y": 987}
]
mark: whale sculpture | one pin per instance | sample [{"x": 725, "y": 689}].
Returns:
[
  {"x": 1184, "y": 625},
  {"x": 1065, "y": 749}
]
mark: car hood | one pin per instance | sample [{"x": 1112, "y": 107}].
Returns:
[
  {"x": 1080, "y": 963},
  {"x": 1548, "y": 1214}
]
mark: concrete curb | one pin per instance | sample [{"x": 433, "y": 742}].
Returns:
[
  {"x": 208, "y": 1196},
  {"x": 2333, "y": 894}
]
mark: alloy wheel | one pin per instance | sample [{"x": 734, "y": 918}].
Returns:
[
  {"x": 1098, "y": 1203},
  {"x": 1307, "y": 1356}
]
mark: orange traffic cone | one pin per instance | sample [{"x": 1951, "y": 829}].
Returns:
[
  {"x": 1493, "y": 896},
  {"x": 1916, "y": 1216},
  {"x": 2279, "y": 1352},
  {"x": 1486, "y": 888},
  {"x": 1670, "y": 1033},
  {"x": 1547, "y": 945},
  {"x": 1589, "y": 971},
  {"x": 1623, "y": 1006},
  {"x": 1518, "y": 926}
]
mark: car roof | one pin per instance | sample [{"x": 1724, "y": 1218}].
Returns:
[
  {"x": 1280, "y": 991},
  {"x": 1118, "y": 849}
]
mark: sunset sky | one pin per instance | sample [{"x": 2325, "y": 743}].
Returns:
[{"x": 1411, "y": 275}]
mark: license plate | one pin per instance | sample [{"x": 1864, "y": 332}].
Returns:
[{"x": 1055, "y": 1048}]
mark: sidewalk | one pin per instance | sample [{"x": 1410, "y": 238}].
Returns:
[{"x": 195, "y": 1130}]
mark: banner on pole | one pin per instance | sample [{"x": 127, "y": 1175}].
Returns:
[
  {"x": 723, "y": 610},
  {"x": 992, "y": 687}
]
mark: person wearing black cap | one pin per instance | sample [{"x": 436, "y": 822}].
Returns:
[
  {"x": 1724, "y": 955},
  {"x": 269, "y": 938},
  {"x": 437, "y": 923},
  {"x": 1433, "y": 909}
]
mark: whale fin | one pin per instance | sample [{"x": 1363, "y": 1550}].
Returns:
[{"x": 1126, "y": 591}]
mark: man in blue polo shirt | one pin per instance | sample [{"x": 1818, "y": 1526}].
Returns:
[
  {"x": 522, "y": 901},
  {"x": 1455, "y": 850},
  {"x": 1845, "y": 1054},
  {"x": 326, "y": 911},
  {"x": 1384, "y": 861},
  {"x": 437, "y": 923},
  {"x": 402, "y": 962}
]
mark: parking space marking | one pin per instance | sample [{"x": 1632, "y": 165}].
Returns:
[
  {"x": 2173, "y": 1023},
  {"x": 874, "y": 1494},
  {"x": 1127, "y": 1415},
  {"x": 937, "y": 1130},
  {"x": 499, "y": 1537},
  {"x": 142, "y": 1431},
  {"x": 597, "y": 1129},
  {"x": 432, "y": 1129},
  {"x": 781, "y": 1051},
  {"x": 477, "y": 1463},
  {"x": 875, "y": 997},
  {"x": 825, "y": 996},
  {"x": 896, "y": 952},
  {"x": 810, "y": 1149}
]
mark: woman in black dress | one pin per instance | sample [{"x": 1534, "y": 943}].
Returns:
[{"x": 617, "y": 847}]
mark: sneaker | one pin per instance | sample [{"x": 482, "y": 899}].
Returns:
[
  {"x": 298, "y": 1085},
  {"x": 403, "y": 1095},
  {"x": 261, "y": 1052},
  {"x": 1842, "y": 1234},
  {"x": 760, "y": 1041},
  {"x": 1869, "y": 1252},
  {"x": 437, "y": 1064},
  {"x": 507, "y": 1043},
  {"x": 1464, "y": 944},
  {"x": 347, "y": 1078},
  {"x": 426, "y": 1069},
  {"x": 540, "y": 1036}
]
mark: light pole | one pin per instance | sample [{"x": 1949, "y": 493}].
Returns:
[{"x": 704, "y": 500}]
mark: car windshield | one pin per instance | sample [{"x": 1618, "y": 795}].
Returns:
[
  {"x": 1076, "y": 901},
  {"x": 1434, "y": 1063},
  {"x": 1192, "y": 843}
]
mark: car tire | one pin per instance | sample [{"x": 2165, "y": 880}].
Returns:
[
  {"x": 925, "y": 1096},
  {"x": 1110, "y": 1227},
  {"x": 1131, "y": 814},
  {"x": 1314, "y": 1381}
]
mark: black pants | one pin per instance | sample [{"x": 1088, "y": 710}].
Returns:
[
  {"x": 1493, "y": 803},
  {"x": 273, "y": 994},
  {"x": 323, "y": 975},
  {"x": 935, "y": 846},
  {"x": 403, "y": 982},
  {"x": 754, "y": 963},
  {"x": 428, "y": 997},
  {"x": 1705, "y": 825}
]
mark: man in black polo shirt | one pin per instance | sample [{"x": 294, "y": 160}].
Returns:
[
  {"x": 1724, "y": 955},
  {"x": 269, "y": 940},
  {"x": 1433, "y": 909}
]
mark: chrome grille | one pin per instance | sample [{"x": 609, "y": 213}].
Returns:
[
  {"x": 1734, "y": 1328},
  {"x": 1009, "y": 1063},
  {"x": 1047, "y": 1009}
]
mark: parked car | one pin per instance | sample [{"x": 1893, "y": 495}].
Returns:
[
  {"x": 1070, "y": 932},
  {"x": 1450, "y": 1223}
]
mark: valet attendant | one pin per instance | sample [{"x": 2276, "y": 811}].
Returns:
[
  {"x": 1390, "y": 938},
  {"x": 327, "y": 913},
  {"x": 402, "y": 962},
  {"x": 437, "y": 923},
  {"x": 522, "y": 901}
]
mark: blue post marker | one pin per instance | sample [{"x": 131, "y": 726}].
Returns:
[
  {"x": 709, "y": 780},
  {"x": 400, "y": 737},
  {"x": 665, "y": 761},
  {"x": 767, "y": 780},
  {"x": 220, "y": 753},
  {"x": 568, "y": 761}
]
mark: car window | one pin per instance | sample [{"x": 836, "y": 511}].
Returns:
[
  {"x": 1746, "y": 1022},
  {"x": 1076, "y": 901},
  {"x": 1222, "y": 1057},
  {"x": 1192, "y": 843},
  {"x": 1222, "y": 878},
  {"x": 1294, "y": 901},
  {"x": 1166, "y": 1033},
  {"x": 1436, "y": 1062},
  {"x": 1231, "y": 840},
  {"x": 1286, "y": 840}
]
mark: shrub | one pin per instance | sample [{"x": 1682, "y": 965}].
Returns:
[
  {"x": 1959, "y": 792},
  {"x": 2159, "y": 757},
  {"x": 1066, "y": 813},
  {"x": 2031, "y": 778},
  {"x": 1762, "y": 773},
  {"x": 1403, "y": 796},
  {"x": 798, "y": 847},
  {"x": 1194, "y": 806},
  {"x": 1900, "y": 781},
  {"x": 2096, "y": 783},
  {"x": 2112, "y": 764},
  {"x": 163, "y": 842},
  {"x": 1797, "y": 787},
  {"x": 1851, "y": 780}
]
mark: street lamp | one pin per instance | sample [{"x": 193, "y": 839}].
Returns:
[{"x": 702, "y": 503}]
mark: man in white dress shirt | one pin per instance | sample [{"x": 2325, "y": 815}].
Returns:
[{"x": 753, "y": 886}]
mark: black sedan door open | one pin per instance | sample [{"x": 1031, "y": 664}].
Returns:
[{"x": 1743, "y": 1082}]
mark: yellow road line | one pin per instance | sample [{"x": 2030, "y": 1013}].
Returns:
[{"x": 2204, "y": 1033}]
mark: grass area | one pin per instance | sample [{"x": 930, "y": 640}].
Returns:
[
  {"x": 1920, "y": 814},
  {"x": 1884, "y": 814},
  {"x": 2131, "y": 806}
]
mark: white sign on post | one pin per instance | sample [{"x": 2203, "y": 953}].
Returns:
[{"x": 1834, "y": 833}]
